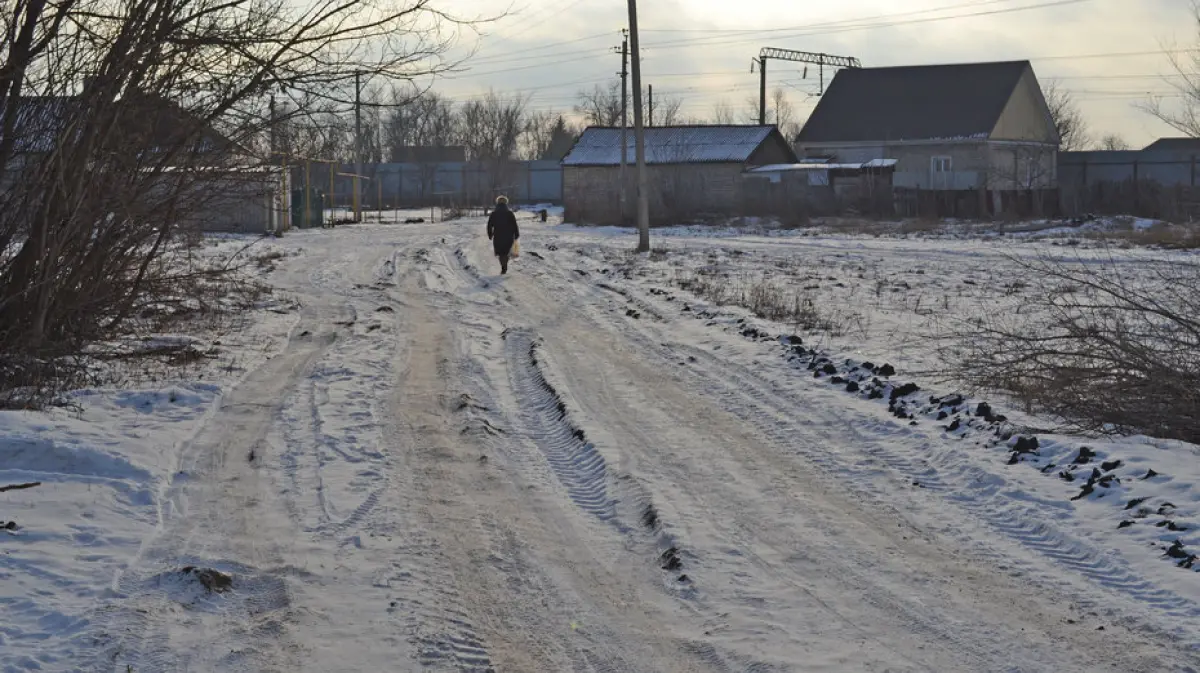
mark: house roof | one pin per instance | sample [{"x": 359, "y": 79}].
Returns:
[
  {"x": 601, "y": 146},
  {"x": 39, "y": 119},
  {"x": 1175, "y": 145},
  {"x": 823, "y": 166},
  {"x": 924, "y": 102},
  {"x": 152, "y": 122}
]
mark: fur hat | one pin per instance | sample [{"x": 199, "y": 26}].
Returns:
[{"x": 501, "y": 200}]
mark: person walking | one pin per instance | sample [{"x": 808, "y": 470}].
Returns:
[{"x": 502, "y": 231}]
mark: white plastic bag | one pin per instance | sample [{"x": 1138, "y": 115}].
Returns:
[{"x": 516, "y": 249}]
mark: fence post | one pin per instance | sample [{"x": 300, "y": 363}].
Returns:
[{"x": 1137, "y": 189}]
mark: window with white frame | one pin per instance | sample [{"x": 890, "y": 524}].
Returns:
[{"x": 940, "y": 165}]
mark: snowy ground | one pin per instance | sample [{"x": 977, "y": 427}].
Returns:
[{"x": 582, "y": 467}]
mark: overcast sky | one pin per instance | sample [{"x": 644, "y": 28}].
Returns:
[{"x": 1109, "y": 53}]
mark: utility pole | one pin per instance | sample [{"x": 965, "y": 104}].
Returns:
[
  {"x": 357, "y": 146},
  {"x": 624, "y": 119},
  {"x": 762, "y": 89},
  {"x": 650, "y": 104},
  {"x": 639, "y": 133}
]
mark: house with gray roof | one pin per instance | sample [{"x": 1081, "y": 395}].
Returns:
[
  {"x": 691, "y": 170},
  {"x": 956, "y": 127}
]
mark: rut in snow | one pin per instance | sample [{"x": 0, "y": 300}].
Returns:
[
  {"x": 578, "y": 464},
  {"x": 575, "y": 461}
]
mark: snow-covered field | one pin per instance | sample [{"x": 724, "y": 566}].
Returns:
[{"x": 584, "y": 466}]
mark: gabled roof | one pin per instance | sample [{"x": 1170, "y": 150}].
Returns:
[
  {"x": 601, "y": 146},
  {"x": 924, "y": 102},
  {"x": 1175, "y": 145},
  {"x": 151, "y": 122}
]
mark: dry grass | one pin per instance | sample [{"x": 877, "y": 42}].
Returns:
[
  {"x": 1158, "y": 235},
  {"x": 778, "y": 301}
]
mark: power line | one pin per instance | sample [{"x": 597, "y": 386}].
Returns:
[
  {"x": 756, "y": 31},
  {"x": 498, "y": 59},
  {"x": 674, "y": 44}
]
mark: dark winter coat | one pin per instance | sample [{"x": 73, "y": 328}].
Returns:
[{"x": 502, "y": 229}]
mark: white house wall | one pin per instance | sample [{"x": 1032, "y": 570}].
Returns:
[{"x": 1026, "y": 116}]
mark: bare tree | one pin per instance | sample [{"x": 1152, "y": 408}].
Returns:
[
  {"x": 123, "y": 118},
  {"x": 1097, "y": 346},
  {"x": 1069, "y": 122},
  {"x": 1113, "y": 142},
  {"x": 491, "y": 128},
  {"x": 601, "y": 106},
  {"x": 666, "y": 109},
  {"x": 547, "y": 135},
  {"x": 1181, "y": 112},
  {"x": 419, "y": 119},
  {"x": 723, "y": 113}
]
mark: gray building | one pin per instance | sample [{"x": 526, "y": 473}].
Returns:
[
  {"x": 691, "y": 170},
  {"x": 982, "y": 127}
]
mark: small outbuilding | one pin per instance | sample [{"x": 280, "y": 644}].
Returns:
[{"x": 692, "y": 170}]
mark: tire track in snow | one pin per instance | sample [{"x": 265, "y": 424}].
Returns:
[
  {"x": 1001, "y": 513},
  {"x": 618, "y": 500},
  {"x": 436, "y": 622},
  {"x": 575, "y": 461},
  {"x": 766, "y": 405},
  {"x": 769, "y": 407},
  {"x": 542, "y": 598}
]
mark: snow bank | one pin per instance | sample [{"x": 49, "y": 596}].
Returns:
[{"x": 105, "y": 463}]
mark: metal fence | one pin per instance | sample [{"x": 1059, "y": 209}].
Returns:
[
  {"x": 1158, "y": 184},
  {"x": 412, "y": 185}
]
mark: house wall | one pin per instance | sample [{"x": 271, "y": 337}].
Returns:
[
  {"x": 775, "y": 150},
  {"x": 973, "y": 163},
  {"x": 591, "y": 194},
  {"x": 914, "y": 165},
  {"x": 1026, "y": 116},
  {"x": 1017, "y": 166},
  {"x": 246, "y": 203}
]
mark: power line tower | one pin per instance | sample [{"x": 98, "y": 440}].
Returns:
[{"x": 821, "y": 60}]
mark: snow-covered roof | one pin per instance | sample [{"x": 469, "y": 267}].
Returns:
[
  {"x": 810, "y": 166},
  {"x": 601, "y": 146}
]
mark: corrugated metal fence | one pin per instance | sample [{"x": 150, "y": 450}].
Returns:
[
  {"x": 392, "y": 185},
  {"x": 1160, "y": 184}
]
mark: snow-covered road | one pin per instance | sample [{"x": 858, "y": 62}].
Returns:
[{"x": 449, "y": 470}]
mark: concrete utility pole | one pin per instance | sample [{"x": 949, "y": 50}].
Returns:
[
  {"x": 358, "y": 158},
  {"x": 639, "y": 134},
  {"x": 762, "y": 89},
  {"x": 624, "y": 119}
]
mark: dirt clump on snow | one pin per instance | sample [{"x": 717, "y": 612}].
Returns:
[{"x": 214, "y": 581}]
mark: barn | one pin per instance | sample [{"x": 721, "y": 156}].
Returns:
[{"x": 691, "y": 170}]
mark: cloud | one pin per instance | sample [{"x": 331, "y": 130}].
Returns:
[{"x": 549, "y": 50}]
